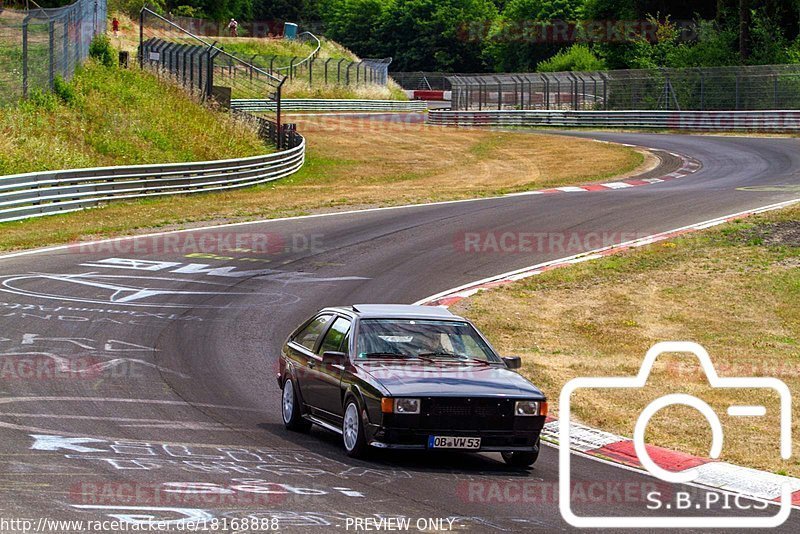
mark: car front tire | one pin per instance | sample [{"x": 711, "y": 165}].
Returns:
[
  {"x": 290, "y": 409},
  {"x": 355, "y": 444}
]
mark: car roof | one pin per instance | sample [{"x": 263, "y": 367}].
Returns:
[{"x": 405, "y": 311}]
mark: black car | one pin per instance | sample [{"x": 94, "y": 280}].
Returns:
[{"x": 408, "y": 377}]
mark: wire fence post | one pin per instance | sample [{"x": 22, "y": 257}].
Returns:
[
  {"x": 210, "y": 68},
  {"x": 25, "y": 58},
  {"x": 51, "y": 55},
  {"x": 775, "y": 91},
  {"x": 141, "y": 39}
]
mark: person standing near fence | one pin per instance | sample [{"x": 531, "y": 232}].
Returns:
[{"x": 233, "y": 27}]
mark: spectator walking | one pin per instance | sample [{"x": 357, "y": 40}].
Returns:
[
  {"x": 233, "y": 27},
  {"x": 115, "y": 26}
]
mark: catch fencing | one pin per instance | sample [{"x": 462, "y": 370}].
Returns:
[
  {"x": 207, "y": 69},
  {"x": 23, "y": 196},
  {"x": 763, "y": 87},
  {"x": 768, "y": 121},
  {"x": 329, "y": 71},
  {"x": 331, "y": 105},
  {"x": 37, "y": 45}
]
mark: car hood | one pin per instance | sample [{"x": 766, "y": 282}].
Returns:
[{"x": 449, "y": 379}]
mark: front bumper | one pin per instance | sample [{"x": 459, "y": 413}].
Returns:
[{"x": 491, "y": 441}]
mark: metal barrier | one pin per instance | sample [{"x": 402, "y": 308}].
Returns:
[
  {"x": 310, "y": 104},
  {"x": 776, "y": 121},
  {"x": 36, "y": 194}
]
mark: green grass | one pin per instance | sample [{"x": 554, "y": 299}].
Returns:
[
  {"x": 245, "y": 48},
  {"x": 117, "y": 117}
]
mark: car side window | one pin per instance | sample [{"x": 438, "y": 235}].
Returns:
[
  {"x": 308, "y": 336},
  {"x": 335, "y": 336}
]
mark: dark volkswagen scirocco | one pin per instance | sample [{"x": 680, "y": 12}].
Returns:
[{"x": 408, "y": 377}]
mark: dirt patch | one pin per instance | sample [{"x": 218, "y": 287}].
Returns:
[{"x": 779, "y": 234}]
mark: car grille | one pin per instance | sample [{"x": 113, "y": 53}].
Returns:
[{"x": 443, "y": 413}]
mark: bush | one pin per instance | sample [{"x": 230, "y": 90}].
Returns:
[
  {"x": 577, "y": 57},
  {"x": 102, "y": 51},
  {"x": 64, "y": 91}
]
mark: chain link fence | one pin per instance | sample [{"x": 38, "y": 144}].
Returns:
[
  {"x": 766, "y": 87},
  {"x": 37, "y": 45},
  {"x": 208, "y": 71},
  {"x": 328, "y": 71}
]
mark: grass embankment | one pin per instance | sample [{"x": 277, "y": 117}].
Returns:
[
  {"x": 112, "y": 116},
  {"x": 356, "y": 165},
  {"x": 735, "y": 290},
  {"x": 284, "y": 50}
]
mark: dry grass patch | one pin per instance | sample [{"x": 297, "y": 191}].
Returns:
[
  {"x": 356, "y": 165},
  {"x": 734, "y": 290}
]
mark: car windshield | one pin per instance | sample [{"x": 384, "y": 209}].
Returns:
[{"x": 419, "y": 338}]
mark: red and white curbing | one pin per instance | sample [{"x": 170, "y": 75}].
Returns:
[
  {"x": 617, "y": 449},
  {"x": 688, "y": 166}
]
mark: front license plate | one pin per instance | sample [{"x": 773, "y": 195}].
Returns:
[{"x": 453, "y": 442}]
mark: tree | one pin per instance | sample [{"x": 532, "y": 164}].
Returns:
[
  {"x": 435, "y": 34},
  {"x": 355, "y": 24},
  {"x": 529, "y": 31}
]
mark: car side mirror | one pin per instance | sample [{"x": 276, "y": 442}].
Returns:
[
  {"x": 333, "y": 357},
  {"x": 513, "y": 362}
]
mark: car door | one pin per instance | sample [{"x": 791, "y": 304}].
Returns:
[
  {"x": 325, "y": 380},
  {"x": 302, "y": 351}
]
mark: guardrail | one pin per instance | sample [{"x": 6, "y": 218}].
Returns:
[
  {"x": 312, "y": 104},
  {"x": 775, "y": 121},
  {"x": 36, "y": 194}
]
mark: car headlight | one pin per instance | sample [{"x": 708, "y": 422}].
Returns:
[
  {"x": 400, "y": 406},
  {"x": 526, "y": 408}
]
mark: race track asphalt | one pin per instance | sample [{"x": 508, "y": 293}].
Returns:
[{"x": 147, "y": 390}]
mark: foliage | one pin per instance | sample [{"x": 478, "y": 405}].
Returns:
[
  {"x": 116, "y": 116},
  {"x": 521, "y": 35},
  {"x": 64, "y": 91},
  {"x": 101, "y": 50},
  {"x": 133, "y": 7},
  {"x": 577, "y": 57}
]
